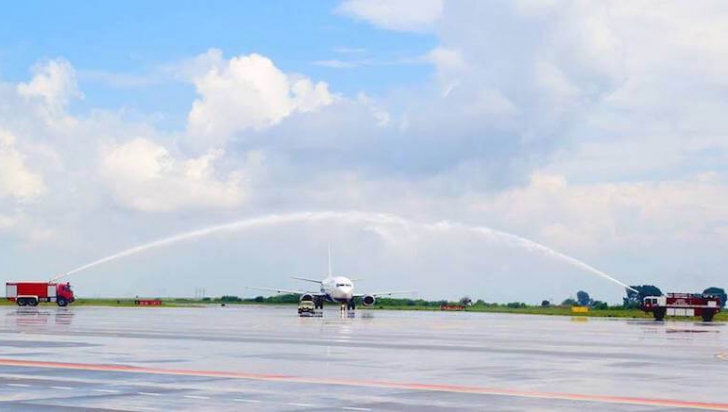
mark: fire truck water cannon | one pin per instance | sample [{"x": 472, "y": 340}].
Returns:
[
  {"x": 683, "y": 305},
  {"x": 32, "y": 293}
]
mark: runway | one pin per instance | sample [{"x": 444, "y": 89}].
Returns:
[{"x": 266, "y": 358}]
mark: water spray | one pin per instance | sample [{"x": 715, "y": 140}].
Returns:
[{"x": 352, "y": 216}]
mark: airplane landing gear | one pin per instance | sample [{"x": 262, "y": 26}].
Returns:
[
  {"x": 318, "y": 303},
  {"x": 351, "y": 305}
]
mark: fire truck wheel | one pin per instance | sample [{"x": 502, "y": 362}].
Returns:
[
  {"x": 32, "y": 302},
  {"x": 708, "y": 316},
  {"x": 21, "y": 302},
  {"x": 62, "y": 302}
]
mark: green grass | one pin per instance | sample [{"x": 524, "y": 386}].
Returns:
[{"x": 615, "y": 312}]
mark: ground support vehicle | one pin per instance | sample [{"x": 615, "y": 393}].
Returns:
[{"x": 306, "y": 308}]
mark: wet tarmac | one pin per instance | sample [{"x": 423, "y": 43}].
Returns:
[{"x": 267, "y": 358}]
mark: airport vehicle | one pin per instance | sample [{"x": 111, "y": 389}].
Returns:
[
  {"x": 32, "y": 293},
  {"x": 682, "y": 304},
  {"x": 334, "y": 289},
  {"x": 306, "y": 308}
]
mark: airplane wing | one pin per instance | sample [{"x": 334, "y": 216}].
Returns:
[
  {"x": 399, "y": 292},
  {"x": 297, "y": 292},
  {"x": 306, "y": 279}
]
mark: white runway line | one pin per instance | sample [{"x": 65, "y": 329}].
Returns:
[
  {"x": 196, "y": 397},
  {"x": 65, "y": 388},
  {"x": 352, "y": 408},
  {"x": 106, "y": 390},
  {"x": 19, "y": 385},
  {"x": 149, "y": 393},
  {"x": 303, "y": 405}
]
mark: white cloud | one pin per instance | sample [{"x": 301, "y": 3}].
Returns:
[
  {"x": 449, "y": 66},
  {"x": 446, "y": 60},
  {"x": 249, "y": 92},
  {"x": 630, "y": 216},
  {"x": 145, "y": 176},
  {"x": 7, "y": 222},
  {"x": 16, "y": 181},
  {"x": 54, "y": 84},
  {"x": 552, "y": 81},
  {"x": 402, "y": 15}
]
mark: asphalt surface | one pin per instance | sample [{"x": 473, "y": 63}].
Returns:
[{"x": 267, "y": 358}]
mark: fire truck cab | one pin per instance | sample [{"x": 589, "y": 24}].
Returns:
[{"x": 682, "y": 304}]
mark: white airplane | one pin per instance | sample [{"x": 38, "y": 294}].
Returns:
[{"x": 335, "y": 289}]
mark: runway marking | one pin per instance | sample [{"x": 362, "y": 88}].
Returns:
[
  {"x": 106, "y": 390},
  {"x": 352, "y": 408},
  {"x": 478, "y": 390},
  {"x": 65, "y": 388},
  {"x": 19, "y": 385},
  {"x": 247, "y": 400},
  {"x": 196, "y": 397}
]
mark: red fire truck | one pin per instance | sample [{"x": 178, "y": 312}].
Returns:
[
  {"x": 32, "y": 293},
  {"x": 682, "y": 304}
]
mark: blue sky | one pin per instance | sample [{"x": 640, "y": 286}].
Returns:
[
  {"x": 136, "y": 38},
  {"x": 595, "y": 128}
]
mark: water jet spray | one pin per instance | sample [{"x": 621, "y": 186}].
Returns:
[{"x": 351, "y": 216}]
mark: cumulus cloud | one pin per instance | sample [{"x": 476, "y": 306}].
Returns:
[
  {"x": 145, "y": 176},
  {"x": 449, "y": 65},
  {"x": 16, "y": 180},
  {"x": 54, "y": 84},
  {"x": 248, "y": 92},
  {"x": 588, "y": 218},
  {"x": 402, "y": 15}
]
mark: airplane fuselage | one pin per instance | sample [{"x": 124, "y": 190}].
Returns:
[{"x": 338, "y": 289}]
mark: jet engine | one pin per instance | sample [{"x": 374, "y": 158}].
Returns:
[
  {"x": 307, "y": 297},
  {"x": 368, "y": 300}
]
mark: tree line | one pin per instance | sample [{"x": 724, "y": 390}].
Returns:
[{"x": 632, "y": 300}]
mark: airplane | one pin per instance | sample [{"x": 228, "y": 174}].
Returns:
[{"x": 334, "y": 289}]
